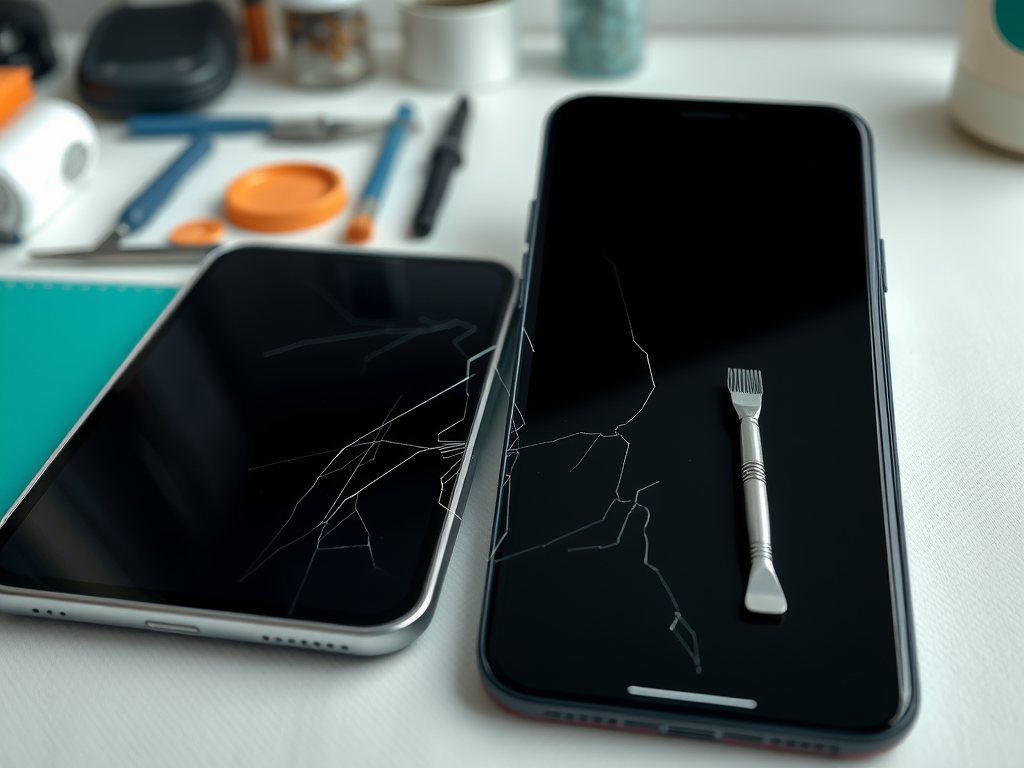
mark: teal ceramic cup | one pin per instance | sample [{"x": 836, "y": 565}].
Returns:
[{"x": 603, "y": 38}]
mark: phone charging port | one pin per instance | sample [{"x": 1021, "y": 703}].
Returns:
[
  {"x": 181, "y": 629},
  {"x": 692, "y": 733}
]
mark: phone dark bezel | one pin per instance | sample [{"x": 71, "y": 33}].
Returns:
[{"x": 723, "y": 728}]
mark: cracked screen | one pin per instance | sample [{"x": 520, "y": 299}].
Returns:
[
  {"x": 288, "y": 444},
  {"x": 672, "y": 245}
]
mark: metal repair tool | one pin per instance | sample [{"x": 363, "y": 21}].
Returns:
[
  {"x": 138, "y": 212},
  {"x": 313, "y": 130},
  {"x": 764, "y": 592}
]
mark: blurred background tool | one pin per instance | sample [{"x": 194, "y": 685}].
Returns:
[
  {"x": 360, "y": 228},
  {"x": 158, "y": 58},
  {"x": 445, "y": 159},
  {"x": 15, "y": 90},
  {"x": 313, "y": 129},
  {"x": 25, "y": 37},
  {"x": 48, "y": 152},
  {"x": 285, "y": 197},
  {"x": 138, "y": 212},
  {"x": 257, "y": 30},
  {"x": 328, "y": 41}
]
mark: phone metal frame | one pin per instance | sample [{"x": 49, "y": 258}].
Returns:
[
  {"x": 254, "y": 628},
  {"x": 782, "y": 736}
]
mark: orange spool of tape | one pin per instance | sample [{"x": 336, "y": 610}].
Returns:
[{"x": 281, "y": 198}]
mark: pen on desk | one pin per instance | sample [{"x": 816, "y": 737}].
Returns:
[
  {"x": 445, "y": 159},
  {"x": 360, "y": 228}
]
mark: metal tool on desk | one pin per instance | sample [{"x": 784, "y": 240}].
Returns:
[
  {"x": 764, "y": 592},
  {"x": 138, "y": 213},
  {"x": 314, "y": 129}
]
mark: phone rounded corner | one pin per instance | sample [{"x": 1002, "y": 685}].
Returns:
[
  {"x": 506, "y": 270},
  {"x": 858, "y": 120},
  {"x": 505, "y": 696},
  {"x": 909, "y": 705},
  {"x": 393, "y": 639},
  {"x": 890, "y": 734},
  {"x": 574, "y": 101}
]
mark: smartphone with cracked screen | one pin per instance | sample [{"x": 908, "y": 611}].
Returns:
[
  {"x": 283, "y": 459},
  {"x": 671, "y": 242}
]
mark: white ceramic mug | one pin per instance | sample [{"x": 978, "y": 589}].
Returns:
[
  {"x": 988, "y": 92},
  {"x": 459, "y": 43}
]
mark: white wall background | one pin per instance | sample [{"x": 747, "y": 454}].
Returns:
[{"x": 666, "y": 15}]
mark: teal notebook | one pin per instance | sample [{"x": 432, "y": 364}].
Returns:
[{"x": 59, "y": 344}]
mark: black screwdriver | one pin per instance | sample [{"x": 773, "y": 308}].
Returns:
[{"x": 446, "y": 158}]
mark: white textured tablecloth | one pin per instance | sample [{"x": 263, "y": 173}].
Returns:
[{"x": 952, "y": 215}]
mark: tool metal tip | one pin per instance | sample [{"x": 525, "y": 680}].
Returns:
[
  {"x": 360, "y": 229},
  {"x": 764, "y": 592},
  {"x": 744, "y": 380}
]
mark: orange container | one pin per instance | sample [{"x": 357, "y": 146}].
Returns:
[
  {"x": 281, "y": 198},
  {"x": 202, "y": 231}
]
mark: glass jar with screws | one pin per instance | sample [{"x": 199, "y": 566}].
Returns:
[{"x": 328, "y": 42}]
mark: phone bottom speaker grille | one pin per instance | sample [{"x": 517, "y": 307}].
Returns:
[
  {"x": 47, "y": 612},
  {"x": 316, "y": 644},
  {"x": 803, "y": 746}
]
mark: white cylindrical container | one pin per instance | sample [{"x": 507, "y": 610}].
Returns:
[
  {"x": 459, "y": 43},
  {"x": 988, "y": 93},
  {"x": 46, "y": 155}
]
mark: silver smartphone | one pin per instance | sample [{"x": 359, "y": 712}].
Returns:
[{"x": 283, "y": 459}]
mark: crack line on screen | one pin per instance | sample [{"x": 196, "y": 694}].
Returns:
[
  {"x": 687, "y": 637},
  {"x": 343, "y": 507}
]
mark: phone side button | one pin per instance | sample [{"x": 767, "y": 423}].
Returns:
[
  {"x": 181, "y": 629},
  {"x": 529, "y": 221},
  {"x": 881, "y": 258}
]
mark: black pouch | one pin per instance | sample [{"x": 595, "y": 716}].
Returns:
[{"x": 153, "y": 59}]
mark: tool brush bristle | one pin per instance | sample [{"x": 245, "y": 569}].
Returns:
[{"x": 744, "y": 380}]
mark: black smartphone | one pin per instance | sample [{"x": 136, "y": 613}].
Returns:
[
  {"x": 671, "y": 242},
  {"x": 282, "y": 460}
]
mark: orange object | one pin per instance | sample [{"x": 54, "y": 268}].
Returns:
[
  {"x": 15, "y": 89},
  {"x": 256, "y": 26},
  {"x": 360, "y": 229},
  {"x": 205, "y": 231},
  {"x": 280, "y": 198}
]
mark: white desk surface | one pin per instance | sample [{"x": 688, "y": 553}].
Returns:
[{"x": 952, "y": 215}]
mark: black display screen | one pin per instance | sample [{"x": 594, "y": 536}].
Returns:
[
  {"x": 676, "y": 240},
  {"x": 287, "y": 444}
]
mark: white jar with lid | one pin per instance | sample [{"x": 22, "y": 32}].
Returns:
[{"x": 328, "y": 44}]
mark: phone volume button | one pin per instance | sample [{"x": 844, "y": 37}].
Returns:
[
  {"x": 529, "y": 221},
  {"x": 881, "y": 259}
]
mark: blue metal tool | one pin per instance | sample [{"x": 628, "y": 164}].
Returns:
[
  {"x": 139, "y": 211},
  {"x": 309, "y": 130}
]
